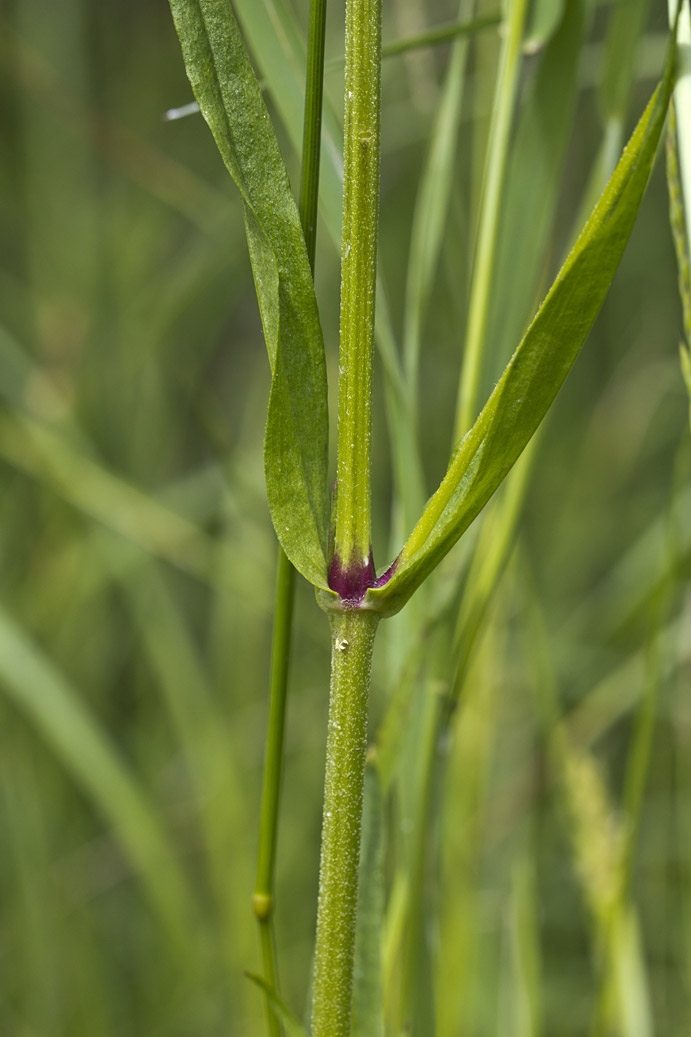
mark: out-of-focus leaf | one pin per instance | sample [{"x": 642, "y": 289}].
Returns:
[
  {"x": 544, "y": 19},
  {"x": 490, "y": 208},
  {"x": 296, "y": 442},
  {"x": 685, "y": 358},
  {"x": 537, "y": 369},
  {"x": 682, "y": 103},
  {"x": 626, "y": 27},
  {"x": 431, "y": 208},
  {"x": 46, "y": 698},
  {"x": 679, "y": 179},
  {"x": 631, "y": 976},
  {"x": 292, "y": 1027},
  {"x": 42, "y": 452},
  {"x": 532, "y": 184},
  {"x": 367, "y": 1019}
]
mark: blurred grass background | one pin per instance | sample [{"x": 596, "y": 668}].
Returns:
[{"x": 137, "y": 559}]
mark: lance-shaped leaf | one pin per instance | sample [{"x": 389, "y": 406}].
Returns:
[
  {"x": 536, "y": 370},
  {"x": 296, "y": 441}
]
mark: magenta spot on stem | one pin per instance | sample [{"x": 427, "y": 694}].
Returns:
[{"x": 351, "y": 582}]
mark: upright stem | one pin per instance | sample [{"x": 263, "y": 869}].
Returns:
[
  {"x": 352, "y": 570},
  {"x": 352, "y": 634},
  {"x": 262, "y": 898}
]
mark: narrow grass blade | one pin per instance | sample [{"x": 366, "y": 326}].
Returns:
[
  {"x": 291, "y": 1025},
  {"x": 625, "y": 31},
  {"x": 635, "y": 580},
  {"x": 431, "y": 210},
  {"x": 200, "y": 725},
  {"x": 632, "y": 981},
  {"x": 627, "y": 25},
  {"x": 532, "y": 184},
  {"x": 41, "y": 452},
  {"x": 46, "y": 698},
  {"x": 465, "y": 26},
  {"x": 367, "y": 1019},
  {"x": 490, "y": 209},
  {"x": 679, "y": 182},
  {"x": 296, "y": 445},
  {"x": 537, "y": 369}
]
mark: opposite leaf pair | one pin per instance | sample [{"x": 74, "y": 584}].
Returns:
[{"x": 296, "y": 444}]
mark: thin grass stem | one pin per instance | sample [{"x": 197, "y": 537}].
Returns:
[
  {"x": 263, "y": 898},
  {"x": 442, "y": 34},
  {"x": 352, "y": 569}
]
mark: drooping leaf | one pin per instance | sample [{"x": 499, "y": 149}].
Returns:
[
  {"x": 276, "y": 41},
  {"x": 296, "y": 442},
  {"x": 367, "y": 1020},
  {"x": 292, "y": 1027},
  {"x": 538, "y": 367}
]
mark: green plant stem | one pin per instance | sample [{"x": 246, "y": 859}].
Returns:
[
  {"x": 682, "y": 102},
  {"x": 352, "y": 640},
  {"x": 263, "y": 898},
  {"x": 495, "y": 171},
  {"x": 358, "y": 283},
  {"x": 677, "y": 219},
  {"x": 352, "y": 630}
]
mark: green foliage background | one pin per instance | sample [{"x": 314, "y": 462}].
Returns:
[{"x": 137, "y": 565}]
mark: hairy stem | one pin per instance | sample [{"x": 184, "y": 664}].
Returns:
[
  {"x": 352, "y": 639},
  {"x": 352, "y": 571}
]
